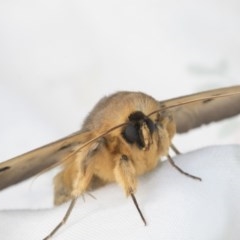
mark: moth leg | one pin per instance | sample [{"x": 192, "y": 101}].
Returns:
[
  {"x": 173, "y": 147},
  {"x": 79, "y": 187},
  {"x": 180, "y": 170},
  {"x": 125, "y": 175},
  {"x": 65, "y": 218},
  {"x": 80, "y": 179},
  {"x": 138, "y": 208}
]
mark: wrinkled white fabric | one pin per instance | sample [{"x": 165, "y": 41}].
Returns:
[
  {"x": 175, "y": 206},
  {"x": 58, "y": 58}
]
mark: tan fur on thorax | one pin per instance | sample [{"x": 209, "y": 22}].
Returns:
[{"x": 107, "y": 164}]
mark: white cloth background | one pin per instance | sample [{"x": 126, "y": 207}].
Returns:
[
  {"x": 175, "y": 206},
  {"x": 57, "y": 58}
]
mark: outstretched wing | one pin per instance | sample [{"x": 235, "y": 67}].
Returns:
[
  {"x": 204, "y": 107},
  {"x": 31, "y": 163},
  {"x": 189, "y": 112}
]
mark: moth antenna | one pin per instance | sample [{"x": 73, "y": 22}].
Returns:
[
  {"x": 173, "y": 147},
  {"x": 138, "y": 208},
  {"x": 180, "y": 170},
  {"x": 53, "y": 166},
  {"x": 204, "y": 98},
  {"x": 79, "y": 149},
  {"x": 92, "y": 140},
  {"x": 101, "y": 135},
  {"x": 65, "y": 218}
]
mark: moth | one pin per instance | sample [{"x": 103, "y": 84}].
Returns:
[{"x": 124, "y": 136}]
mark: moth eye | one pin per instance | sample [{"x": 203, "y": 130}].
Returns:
[{"x": 130, "y": 133}]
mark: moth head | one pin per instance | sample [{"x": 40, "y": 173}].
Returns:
[{"x": 139, "y": 130}]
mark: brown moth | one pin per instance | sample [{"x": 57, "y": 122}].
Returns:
[{"x": 124, "y": 136}]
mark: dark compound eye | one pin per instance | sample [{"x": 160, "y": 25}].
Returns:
[
  {"x": 133, "y": 133},
  {"x": 130, "y": 133}
]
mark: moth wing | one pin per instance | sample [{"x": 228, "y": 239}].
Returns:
[
  {"x": 204, "y": 107},
  {"x": 31, "y": 163}
]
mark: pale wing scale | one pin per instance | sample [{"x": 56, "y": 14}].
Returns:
[
  {"x": 206, "y": 107},
  {"x": 31, "y": 163}
]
